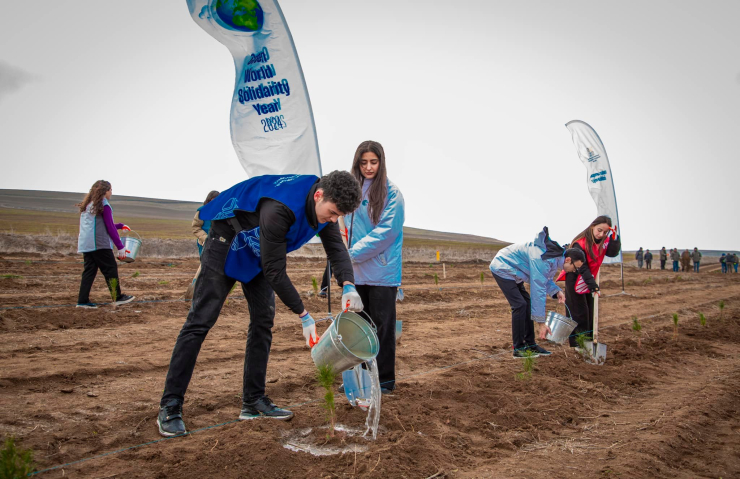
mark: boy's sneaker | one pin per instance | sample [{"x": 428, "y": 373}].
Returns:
[
  {"x": 123, "y": 299},
  {"x": 322, "y": 293},
  {"x": 263, "y": 407},
  {"x": 170, "y": 419},
  {"x": 520, "y": 353},
  {"x": 539, "y": 350},
  {"x": 87, "y": 305}
]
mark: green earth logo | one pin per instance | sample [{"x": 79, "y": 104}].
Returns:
[{"x": 239, "y": 15}]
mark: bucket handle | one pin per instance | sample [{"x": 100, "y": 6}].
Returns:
[
  {"x": 134, "y": 232},
  {"x": 361, "y": 314},
  {"x": 568, "y": 309}
]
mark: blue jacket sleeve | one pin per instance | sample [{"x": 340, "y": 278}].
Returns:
[
  {"x": 541, "y": 286},
  {"x": 385, "y": 232}
]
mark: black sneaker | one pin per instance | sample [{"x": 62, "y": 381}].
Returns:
[
  {"x": 521, "y": 353},
  {"x": 386, "y": 391},
  {"x": 539, "y": 350},
  {"x": 322, "y": 293},
  {"x": 170, "y": 419},
  {"x": 87, "y": 305},
  {"x": 123, "y": 299},
  {"x": 263, "y": 407}
]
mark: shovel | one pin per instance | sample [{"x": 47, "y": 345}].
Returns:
[{"x": 596, "y": 349}]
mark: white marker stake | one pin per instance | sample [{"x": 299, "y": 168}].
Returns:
[
  {"x": 444, "y": 271},
  {"x": 596, "y": 318},
  {"x": 272, "y": 126}
]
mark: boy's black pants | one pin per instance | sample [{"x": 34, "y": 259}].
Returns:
[
  {"x": 580, "y": 308},
  {"x": 104, "y": 260},
  {"x": 380, "y": 305},
  {"x": 522, "y": 326},
  {"x": 211, "y": 289}
]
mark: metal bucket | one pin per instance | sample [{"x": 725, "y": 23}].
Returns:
[
  {"x": 132, "y": 245},
  {"x": 560, "y": 326},
  {"x": 349, "y": 341}
]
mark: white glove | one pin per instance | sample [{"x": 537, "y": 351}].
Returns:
[
  {"x": 309, "y": 330},
  {"x": 351, "y": 299},
  {"x": 122, "y": 254}
]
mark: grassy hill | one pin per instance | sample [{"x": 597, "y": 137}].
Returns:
[{"x": 53, "y": 212}]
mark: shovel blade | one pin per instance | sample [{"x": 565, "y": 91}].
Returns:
[{"x": 598, "y": 353}]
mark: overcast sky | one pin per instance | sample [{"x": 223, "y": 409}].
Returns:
[{"x": 469, "y": 99}]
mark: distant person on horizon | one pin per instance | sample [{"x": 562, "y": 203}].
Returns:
[
  {"x": 685, "y": 261},
  {"x": 663, "y": 257},
  {"x": 675, "y": 257},
  {"x": 597, "y": 241},
  {"x": 254, "y": 224},
  {"x": 639, "y": 257},
  {"x": 98, "y": 234},
  {"x": 732, "y": 260},
  {"x": 723, "y": 262},
  {"x": 376, "y": 250},
  {"x": 648, "y": 259},
  {"x": 696, "y": 258},
  {"x": 200, "y": 230},
  {"x": 535, "y": 263}
]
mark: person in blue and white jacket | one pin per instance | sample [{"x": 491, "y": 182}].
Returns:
[
  {"x": 535, "y": 263},
  {"x": 375, "y": 247}
]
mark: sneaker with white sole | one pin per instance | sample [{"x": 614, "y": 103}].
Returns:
[
  {"x": 87, "y": 305},
  {"x": 264, "y": 407},
  {"x": 170, "y": 420},
  {"x": 123, "y": 299}
]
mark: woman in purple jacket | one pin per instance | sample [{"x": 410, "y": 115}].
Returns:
[{"x": 98, "y": 234}]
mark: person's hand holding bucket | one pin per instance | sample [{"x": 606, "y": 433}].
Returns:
[
  {"x": 309, "y": 329},
  {"x": 351, "y": 298},
  {"x": 122, "y": 254}
]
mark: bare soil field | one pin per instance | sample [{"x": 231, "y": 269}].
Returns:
[{"x": 81, "y": 387}]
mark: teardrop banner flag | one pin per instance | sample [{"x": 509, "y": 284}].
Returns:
[
  {"x": 272, "y": 126},
  {"x": 592, "y": 154}
]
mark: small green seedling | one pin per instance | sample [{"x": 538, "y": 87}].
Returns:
[
  {"x": 436, "y": 281},
  {"x": 163, "y": 282},
  {"x": 11, "y": 276},
  {"x": 326, "y": 378},
  {"x": 315, "y": 285},
  {"x": 721, "y": 309},
  {"x": 637, "y": 329},
  {"x": 675, "y": 326},
  {"x": 28, "y": 262},
  {"x": 702, "y": 319},
  {"x": 581, "y": 339},
  {"x": 15, "y": 463},
  {"x": 530, "y": 358},
  {"x": 482, "y": 279},
  {"x": 113, "y": 287},
  {"x": 136, "y": 274}
]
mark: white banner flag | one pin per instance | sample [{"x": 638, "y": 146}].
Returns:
[
  {"x": 272, "y": 125},
  {"x": 592, "y": 154}
]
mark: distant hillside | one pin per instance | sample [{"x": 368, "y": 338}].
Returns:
[{"x": 39, "y": 212}]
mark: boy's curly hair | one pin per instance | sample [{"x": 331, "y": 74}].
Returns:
[{"x": 342, "y": 189}]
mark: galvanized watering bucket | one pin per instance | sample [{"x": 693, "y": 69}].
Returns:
[
  {"x": 132, "y": 245},
  {"x": 560, "y": 326},
  {"x": 349, "y": 341}
]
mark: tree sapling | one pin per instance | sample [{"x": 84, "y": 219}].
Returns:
[
  {"x": 482, "y": 278},
  {"x": 702, "y": 319},
  {"x": 136, "y": 274},
  {"x": 326, "y": 378},
  {"x": 528, "y": 365},
  {"x": 581, "y": 339},
  {"x": 15, "y": 462},
  {"x": 113, "y": 287},
  {"x": 315, "y": 285},
  {"x": 721, "y": 309},
  {"x": 637, "y": 329},
  {"x": 436, "y": 281},
  {"x": 675, "y": 326}
]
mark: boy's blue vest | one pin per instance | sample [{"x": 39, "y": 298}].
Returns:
[{"x": 243, "y": 260}]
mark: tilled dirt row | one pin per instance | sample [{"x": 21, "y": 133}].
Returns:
[{"x": 76, "y": 383}]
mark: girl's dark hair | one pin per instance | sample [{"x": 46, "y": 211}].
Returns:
[
  {"x": 377, "y": 194},
  {"x": 588, "y": 233},
  {"x": 211, "y": 196},
  {"x": 95, "y": 196}
]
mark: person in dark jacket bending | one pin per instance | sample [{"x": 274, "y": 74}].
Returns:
[{"x": 254, "y": 225}]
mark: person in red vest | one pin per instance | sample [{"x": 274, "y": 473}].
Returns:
[{"x": 597, "y": 241}]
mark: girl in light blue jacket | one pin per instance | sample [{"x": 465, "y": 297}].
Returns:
[{"x": 375, "y": 247}]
